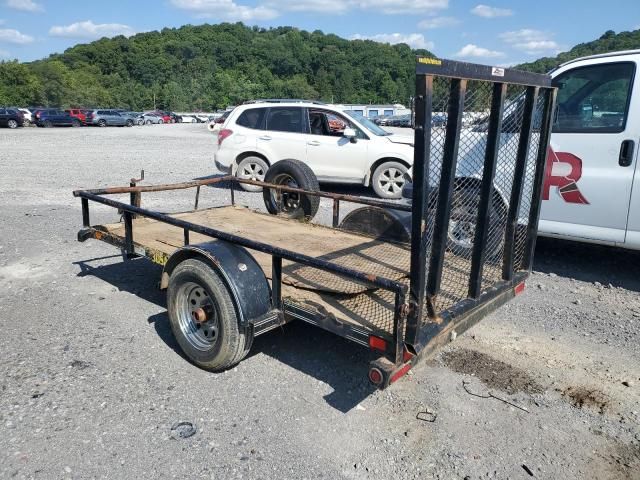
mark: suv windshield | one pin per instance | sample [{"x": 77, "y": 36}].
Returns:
[{"x": 368, "y": 124}]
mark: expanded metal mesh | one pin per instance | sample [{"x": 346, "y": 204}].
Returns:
[{"x": 469, "y": 173}]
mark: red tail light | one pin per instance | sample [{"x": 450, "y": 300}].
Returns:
[
  {"x": 377, "y": 343},
  {"x": 224, "y": 133}
]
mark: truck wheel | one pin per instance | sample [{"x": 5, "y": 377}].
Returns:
[
  {"x": 76, "y": 123},
  {"x": 463, "y": 220},
  {"x": 388, "y": 179},
  {"x": 292, "y": 173},
  {"x": 203, "y": 317},
  {"x": 12, "y": 124},
  {"x": 252, "y": 168},
  {"x": 102, "y": 123}
]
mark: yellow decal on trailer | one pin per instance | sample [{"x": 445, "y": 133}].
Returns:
[
  {"x": 159, "y": 257},
  {"x": 429, "y": 61}
]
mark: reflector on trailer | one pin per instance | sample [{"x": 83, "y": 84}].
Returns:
[
  {"x": 519, "y": 288},
  {"x": 375, "y": 376},
  {"x": 377, "y": 343},
  {"x": 400, "y": 373}
]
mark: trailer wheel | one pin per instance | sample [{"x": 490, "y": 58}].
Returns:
[
  {"x": 203, "y": 317},
  {"x": 292, "y": 173}
]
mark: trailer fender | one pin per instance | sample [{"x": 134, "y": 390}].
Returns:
[{"x": 238, "y": 269}]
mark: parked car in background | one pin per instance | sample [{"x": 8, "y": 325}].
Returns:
[
  {"x": 26, "y": 114},
  {"x": 135, "y": 116},
  {"x": 175, "y": 118},
  {"x": 11, "y": 117},
  {"x": 257, "y": 135},
  {"x": 88, "y": 115},
  {"x": 36, "y": 112},
  {"x": 57, "y": 118},
  {"x": 77, "y": 113},
  {"x": 438, "y": 120},
  {"x": 149, "y": 118},
  {"x": 104, "y": 118},
  {"x": 166, "y": 118}
]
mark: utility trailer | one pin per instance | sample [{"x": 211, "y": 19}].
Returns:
[{"x": 233, "y": 273}]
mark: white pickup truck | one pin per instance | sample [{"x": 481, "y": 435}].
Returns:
[{"x": 592, "y": 187}]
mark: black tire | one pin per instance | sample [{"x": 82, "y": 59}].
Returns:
[
  {"x": 129, "y": 123},
  {"x": 47, "y": 124},
  {"x": 148, "y": 122},
  {"x": 252, "y": 168},
  {"x": 463, "y": 220},
  {"x": 102, "y": 123},
  {"x": 160, "y": 122},
  {"x": 76, "y": 123},
  {"x": 388, "y": 179},
  {"x": 293, "y": 205},
  {"x": 216, "y": 343},
  {"x": 11, "y": 123}
]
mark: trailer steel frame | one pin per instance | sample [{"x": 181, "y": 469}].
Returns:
[{"x": 418, "y": 326}]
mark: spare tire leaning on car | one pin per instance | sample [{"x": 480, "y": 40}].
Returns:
[{"x": 292, "y": 173}]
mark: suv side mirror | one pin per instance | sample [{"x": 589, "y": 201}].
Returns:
[{"x": 350, "y": 133}]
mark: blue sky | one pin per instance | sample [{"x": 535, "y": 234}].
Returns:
[{"x": 500, "y": 33}]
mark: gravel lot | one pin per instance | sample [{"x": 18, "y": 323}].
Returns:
[{"x": 91, "y": 381}]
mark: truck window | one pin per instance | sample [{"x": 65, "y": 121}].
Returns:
[{"x": 594, "y": 98}]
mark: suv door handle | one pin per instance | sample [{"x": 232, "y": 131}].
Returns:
[
  {"x": 314, "y": 143},
  {"x": 265, "y": 137},
  {"x": 626, "y": 153}
]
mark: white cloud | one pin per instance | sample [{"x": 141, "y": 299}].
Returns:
[
  {"x": 491, "y": 12},
  {"x": 319, "y": 6},
  {"x": 473, "y": 51},
  {"x": 226, "y": 10},
  {"x": 9, "y": 35},
  {"x": 531, "y": 41},
  {"x": 414, "y": 40},
  {"x": 25, "y": 5},
  {"x": 438, "y": 22},
  {"x": 268, "y": 9},
  {"x": 401, "y": 6},
  {"x": 90, "y": 30}
]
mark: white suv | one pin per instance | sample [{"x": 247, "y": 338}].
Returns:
[{"x": 339, "y": 146}]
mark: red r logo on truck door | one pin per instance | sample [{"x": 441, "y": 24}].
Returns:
[{"x": 563, "y": 171}]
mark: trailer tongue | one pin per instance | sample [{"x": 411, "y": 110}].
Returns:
[{"x": 232, "y": 274}]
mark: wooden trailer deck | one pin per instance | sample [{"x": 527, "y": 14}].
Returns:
[{"x": 320, "y": 291}]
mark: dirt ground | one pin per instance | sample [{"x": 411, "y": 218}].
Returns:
[{"x": 92, "y": 383}]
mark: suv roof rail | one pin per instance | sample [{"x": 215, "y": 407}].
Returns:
[{"x": 283, "y": 100}]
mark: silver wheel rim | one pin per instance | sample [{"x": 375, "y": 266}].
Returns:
[
  {"x": 391, "y": 181},
  {"x": 13, "y": 124},
  {"x": 192, "y": 302},
  {"x": 252, "y": 171},
  {"x": 462, "y": 230}
]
